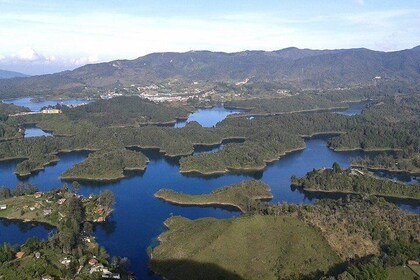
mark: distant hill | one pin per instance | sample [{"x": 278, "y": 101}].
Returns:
[
  {"x": 303, "y": 68},
  {"x": 10, "y": 74}
]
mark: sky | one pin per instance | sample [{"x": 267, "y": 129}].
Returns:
[{"x": 46, "y": 36}]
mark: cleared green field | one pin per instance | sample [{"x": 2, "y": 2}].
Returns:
[
  {"x": 401, "y": 273},
  {"x": 241, "y": 196},
  {"x": 250, "y": 247}
]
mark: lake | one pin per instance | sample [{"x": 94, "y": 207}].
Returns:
[
  {"x": 35, "y": 132},
  {"x": 138, "y": 217},
  {"x": 36, "y": 106},
  {"x": 208, "y": 117}
]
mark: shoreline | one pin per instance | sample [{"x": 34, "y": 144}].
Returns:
[
  {"x": 412, "y": 173},
  {"x": 211, "y": 203},
  {"x": 283, "y": 113},
  {"x": 355, "y": 193},
  {"x": 245, "y": 169}
]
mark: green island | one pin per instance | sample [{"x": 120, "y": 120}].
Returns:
[
  {"x": 386, "y": 125},
  {"x": 107, "y": 165},
  {"x": 354, "y": 181},
  {"x": 71, "y": 251},
  {"x": 241, "y": 196},
  {"x": 126, "y": 111},
  {"x": 344, "y": 239}
]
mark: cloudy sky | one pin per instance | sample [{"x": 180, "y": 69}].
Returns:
[{"x": 47, "y": 36}]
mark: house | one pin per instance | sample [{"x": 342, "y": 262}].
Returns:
[
  {"x": 110, "y": 275},
  {"x": 47, "y": 212},
  {"x": 38, "y": 194},
  {"x": 3, "y": 206},
  {"x": 93, "y": 261},
  {"x": 100, "y": 211},
  {"x": 47, "y": 277},
  {"x": 61, "y": 201},
  {"x": 413, "y": 262},
  {"x": 37, "y": 255},
  {"x": 51, "y": 111},
  {"x": 32, "y": 208},
  {"x": 66, "y": 261},
  {"x": 97, "y": 268},
  {"x": 19, "y": 255}
]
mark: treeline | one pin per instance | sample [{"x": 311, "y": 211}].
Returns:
[
  {"x": 353, "y": 181},
  {"x": 20, "y": 190},
  {"x": 300, "y": 102},
  {"x": 107, "y": 165},
  {"x": 400, "y": 162}
]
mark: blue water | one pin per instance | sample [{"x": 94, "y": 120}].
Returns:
[
  {"x": 138, "y": 217},
  {"x": 208, "y": 117},
  {"x": 35, "y": 132},
  {"x": 36, "y": 106},
  {"x": 355, "y": 109}
]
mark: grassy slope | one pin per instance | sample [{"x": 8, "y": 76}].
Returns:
[
  {"x": 238, "y": 195},
  {"x": 253, "y": 247},
  {"x": 401, "y": 273}
]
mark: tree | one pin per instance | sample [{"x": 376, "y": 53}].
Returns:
[
  {"x": 336, "y": 168},
  {"x": 107, "y": 199},
  {"x": 6, "y": 252},
  {"x": 87, "y": 228},
  {"x": 75, "y": 186}
]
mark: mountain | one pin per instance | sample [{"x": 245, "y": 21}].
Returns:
[
  {"x": 303, "y": 68},
  {"x": 10, "y": 74}
]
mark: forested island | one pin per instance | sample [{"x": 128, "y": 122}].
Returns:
[
  {"x": 70, "y": 252},
  {"x": 106, "y": 165},
  {"x": 242, "y": 196},
  {"x": 388, "y": 125},
  {"x": 354, "y": 181}
]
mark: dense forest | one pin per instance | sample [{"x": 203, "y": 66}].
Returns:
[
  {"x": 9, "y": 128},
  {"x": 390, "y": 124},
  {"x": 125, "y": 111},
  {"x": 354, "y": 181},
  {"x": 404, "y": 161},
  {"x": 107, "y": 165}
]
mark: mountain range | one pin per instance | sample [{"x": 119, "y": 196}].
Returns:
[
  {"x": 4, "y": 74},
  {"x": 302, "y": 68}
]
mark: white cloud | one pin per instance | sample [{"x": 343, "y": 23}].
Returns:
[
  {"x": 360, "y": 2},
  {"x": 74, "y": 40},
  {"x": 28, "y": 54}
]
